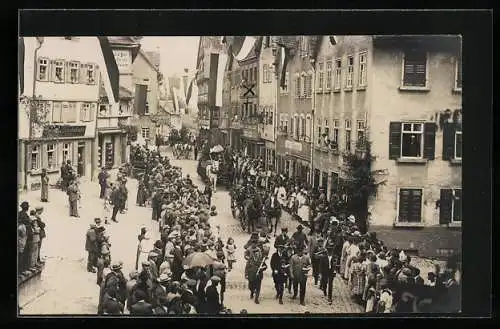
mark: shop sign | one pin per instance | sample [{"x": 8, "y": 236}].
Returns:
[
  {"x": 295, "y": 146},
  {"x": 63, "y": 131}
]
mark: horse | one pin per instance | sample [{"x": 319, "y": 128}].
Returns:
[{"x": 272, "y": 213}]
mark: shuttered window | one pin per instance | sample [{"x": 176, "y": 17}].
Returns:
[
  {"x": 415, "y": 69},
  {"x": 412, "y": 140},
  {"x": 349, "y": 77},
  {"x": 308, "y": 86},
  {"x": 321, "y": 75},
  {"x": 297, "y": 87},
  {"x": 328, "y": 75},
  {"x": 450, "y": 206},
  {"x": 452, "y": 141},
  {"x": 56, "y": 112},
  {"x": 410, "y": 205},
  {"x": 71, "y": 114},
  {"x": 43, "y": 69}
]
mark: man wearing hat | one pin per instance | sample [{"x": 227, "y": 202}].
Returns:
[
  {"x": 283, "y": 238},
  {"x": 41, "y": 225},
  {"x": 91, "y": 246},
  {"x": 213, "y": 305},
  {"x": 103, "y": 177},
  {"x": 299, "y": 266},
  {"x": 317, "y": 250},
  {"x": 177, "y": 268},
  {"x": 141, "y": 306},
  {"x": 279, "y": 264},
  {"x": 328, "y": 264},
  {"x": 300, "y": 238},
  {"x": 188, "y": 296},
  {"x": 114, "y": 284},
  {"x": 254, "y": 270}
]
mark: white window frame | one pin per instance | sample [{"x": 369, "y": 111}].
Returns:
[
  {"x": 296, "y": 126},
  {"x": 43, "y": 62},
  {"x": 85, "y": 112},
  {"x": 321, "y": 76},
  {"x": 405, "y": 87},
  {"x": 308, "y": 127},
  {"x": 335, "y": 136},
  {"x": 72, "y": 67},
  {"x": 452, "y": 221},
  {"x": 145, "y": 132},
  {"x": 458, "y": 132},
  {"x": 53, "y": 116},
  {"x": 348, "y": 129},
  {"x": 360, "y": 127},
  {"x": 52, "y": 148},
  {"x": 309, "y": 84},
  {"x": 90, "y": 77},
  {"x": 458, "y": 62},
  {"x": 363, "y": 68},
  {"x": 328, "y": 82},
  {"x": 66, "y": 152},
  {"x": 37, "y": 164},
  {"x": 421, "y": 204},
  {"x": 326, "y": 129},
  {"x": 349, "y": 77},
  {"x": 337, "y": 75},
  {"x": 59, "y": 64},
  {"x": 412, "y": 132},
  {"x": 302, "y": 130}
]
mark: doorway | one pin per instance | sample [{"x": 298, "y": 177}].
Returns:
[
  {"x": 81, "y": 159},
  {"x": 316, "y": 178}
]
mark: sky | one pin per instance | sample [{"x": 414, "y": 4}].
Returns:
[{"x": 176, "y": 53}]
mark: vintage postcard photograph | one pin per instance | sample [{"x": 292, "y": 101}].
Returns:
[{"x": 243, "y": 174}]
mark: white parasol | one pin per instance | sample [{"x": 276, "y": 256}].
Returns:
[{"x": 216, "y": 149}]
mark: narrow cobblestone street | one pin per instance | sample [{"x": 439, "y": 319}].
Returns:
[{"x": 67, "y": 288}]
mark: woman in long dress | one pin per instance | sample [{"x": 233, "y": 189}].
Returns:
[
  {"x": 45, "y": 186},
  {"x": 304, "y": 208},
  {"x": 144, "y": 247},
  {"x": 343, "y": 257}
]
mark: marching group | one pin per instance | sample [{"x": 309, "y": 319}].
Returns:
[{"x": 383, "y": 280}]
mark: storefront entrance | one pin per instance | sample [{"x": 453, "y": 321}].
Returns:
[{"x": 81, "y": 159}]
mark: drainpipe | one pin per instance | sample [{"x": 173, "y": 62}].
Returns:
[
  {"x": 30, "y": 117},
  {"x": 313, "y": 119}
]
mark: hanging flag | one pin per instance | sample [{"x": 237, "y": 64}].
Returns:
[
  {"x": 212, "y": 82},
  {"x": 285, "y": 53},
  {"x": 221, "y": 67},
  {"x": 176, "y": 100},
  {"x": 20, "y": 62},
  {"x": 111, "y": 67},
  {"x": 140, "y": 98},
  {"x": 192, "y": 100}
]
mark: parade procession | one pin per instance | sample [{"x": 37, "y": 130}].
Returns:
[{"x": 153, "y": 215}]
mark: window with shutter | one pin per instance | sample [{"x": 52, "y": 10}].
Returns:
[
  {"x": 83, "y": 73},
  {"x": 65, "y": 112},
  {"x": 297, "y": 87},
  {"x": 58, "y": 71},
  {"x": 445, "y": 206},
  {"x": 71, "y": 112},
  {"x": 429, "y": 140},
  {"x": 43, "y": 66},
  {"x": 67, "y": 71},
  {"x": 56, "y": 112},
  {"x": 412, "y": 141},
  {"x": 458, "y": 145},
  {"x": 448, "y": 140},
  {"x": 410, "y": 205},
  {"x": 394, "y": 140},
  {"x": 415, "y": 69}
]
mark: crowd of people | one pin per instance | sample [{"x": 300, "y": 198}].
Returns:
[
  {"x": 183, "y": 272},
  {"x": 30, "y": 235},
  {"x": 383, "y": 280}
]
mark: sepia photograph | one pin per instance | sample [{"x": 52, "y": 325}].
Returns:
[{"x": 261, "y": 174}]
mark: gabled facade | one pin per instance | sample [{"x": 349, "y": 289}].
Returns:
[
  {"x": 145, "y": 78},
  {"x": 112, "y": 140},
  {"x": 295, "y": 108},
  {"x": 403, "y": 94},
  {"x": 251, "y": 142},
  {"x": 268, "y": 84},
  {"x": 67, "y": 74}
]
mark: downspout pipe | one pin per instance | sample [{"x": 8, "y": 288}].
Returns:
[
  {"x": 30, "y": 117},
  {"x": 313, "y": 119}
]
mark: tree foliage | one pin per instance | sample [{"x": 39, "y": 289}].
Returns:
[
  {"x": 359, "y": 182},
  {"x": 37, "y": 110}
]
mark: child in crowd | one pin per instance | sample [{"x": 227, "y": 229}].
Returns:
[{"x": 230, "y": 250}]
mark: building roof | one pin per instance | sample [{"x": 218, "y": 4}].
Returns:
[
  {"x": 148, "y": 60},
  {"x": 154, "y": 57}
]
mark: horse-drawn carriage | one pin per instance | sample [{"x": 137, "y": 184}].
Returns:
[{"x": 222, "y": 168}]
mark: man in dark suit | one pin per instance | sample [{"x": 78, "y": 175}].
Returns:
[
  {"x": 199, "y": 289},
  {"x": 283, "y": 238},
  {"x": 213, "y": 305},
  {"x": 177, "y": 268},
  {"x": 327, "y": 266},
  {"x": 279, "y": 267},
  {"x": 102, "y": 177},
  {"x": 141, "y": 307},
  {"x": 254, "y": 272}
]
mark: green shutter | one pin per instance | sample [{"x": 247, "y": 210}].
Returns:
[
  {"x": 448, "y": 140},
  {"x": 445, "y": 204},
  {"x": 429, "y": 140},
  {"x": 394, "y": 140}
]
